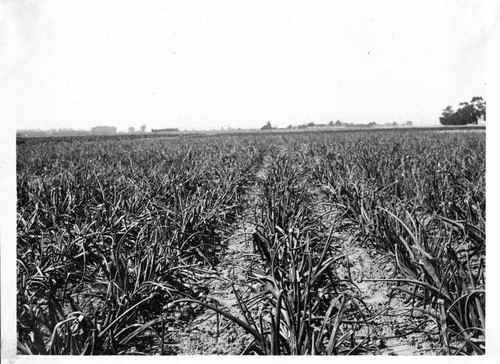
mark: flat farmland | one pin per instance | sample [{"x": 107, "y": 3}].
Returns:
[{"x": 352, "y": 243}]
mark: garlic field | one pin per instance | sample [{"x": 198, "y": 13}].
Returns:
[{"x": 346, "y": 243}]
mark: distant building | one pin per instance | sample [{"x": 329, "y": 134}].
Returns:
[
  {"x": 51, "y": 132},
  {"x": 103, "y": 130},
  {"x": 165, "y": 130},
  {"x": 267, "y": 126}
]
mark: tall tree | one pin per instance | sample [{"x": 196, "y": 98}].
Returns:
[{"x": 479, "y": 107}]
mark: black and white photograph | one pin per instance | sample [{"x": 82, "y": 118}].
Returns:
[{"x": 221, "y": 178}]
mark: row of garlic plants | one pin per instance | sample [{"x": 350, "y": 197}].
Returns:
[
  {"x": 108, "y": 233},
  {"x": 303, "y": 307},
  {"x": 420, "y": 197},
  {"x": 311, "y": 310}
]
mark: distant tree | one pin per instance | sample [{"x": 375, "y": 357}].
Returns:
[
  {"x": 338, "y": 123},
  {"x": 467, "y": 113},
  {"x": 143, "y": 128},
  {"x": 131, "y": 129},
  {"x": 479, "y": 106},
  {"x": 409, "y": 123},
  {"x": 448, "y": 116}
]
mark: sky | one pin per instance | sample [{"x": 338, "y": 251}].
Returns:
[{"x": 218, "y": 64}]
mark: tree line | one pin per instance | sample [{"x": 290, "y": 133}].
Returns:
[{"x": 467, "y": 113}]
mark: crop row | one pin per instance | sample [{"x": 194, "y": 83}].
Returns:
[
  {"x": 109, "y": 233},
  {"x": 422, "y": 199}
]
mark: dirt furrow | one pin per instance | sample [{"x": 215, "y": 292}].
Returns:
[
  {"x": 397, "y": 327},
  {"x": 394, "y": 327},
  {"x": 208, "y": 332}
]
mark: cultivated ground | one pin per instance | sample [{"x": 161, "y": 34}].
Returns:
[
  {"x": 349, "y": 243},
  {"x": 396, "y": 326}
]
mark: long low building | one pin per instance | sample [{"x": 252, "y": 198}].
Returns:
[
  {"x": 166, "y": 130},
  {"x": 103, "y": 130}
]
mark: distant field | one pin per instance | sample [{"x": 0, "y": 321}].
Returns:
[
  {"x": 123, "y": 242},
  {"x": 323, "y": 130}
]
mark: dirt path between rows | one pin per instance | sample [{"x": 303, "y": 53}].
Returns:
[
  {"x": 395, "y": 328},
  {"x": 210, "y": 333}
]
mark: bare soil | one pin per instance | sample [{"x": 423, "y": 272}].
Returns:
[{"x": 397, "y": 328}]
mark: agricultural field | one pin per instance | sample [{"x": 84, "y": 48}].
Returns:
[{"x": 353, "y": 243}]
